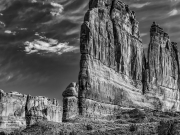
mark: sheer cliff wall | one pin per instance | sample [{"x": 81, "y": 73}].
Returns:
[
  {"x": 12, "y": 110},
  {"x": 114, "y": 72},
  {"x": 162, "y": 69},
  {"x": 18, "y": 110},
  {"x": 111, "y": 59},
  {"x": 42, "y": 108}
]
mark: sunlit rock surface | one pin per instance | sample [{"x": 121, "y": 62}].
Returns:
[
  {"x": 42, "y": 108},
  {"x": 162, "y": 71},
  {"x": 18, "y": 110},
  {"x": 12, "y": 110},
  {"x": 111, "y": 59},
  {"x": 114, "y": 71},
  {"x": 70, "y": 102}
]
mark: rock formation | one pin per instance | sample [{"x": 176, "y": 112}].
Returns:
[
  {"x": 12, "y": 110},
  {"x": 114, "y": 72},
  {"x": 70, "y": 101},
  {"x": 115, "y": 81},
  {"x": 162, "y": 71},
  {"x": 42, "y": 108},
  {"x": 18, "y": 110},
  {"x": 111, "y": 59}
]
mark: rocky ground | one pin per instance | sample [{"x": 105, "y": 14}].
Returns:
[{"x": 133, "y": 122}]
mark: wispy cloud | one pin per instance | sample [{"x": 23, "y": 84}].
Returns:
[
  {"x": 73, "y": 31},
  {"x": 173, "y": 12},
  {"x": 57, "y": 10},
  {"x": 9, "y": 32},
  {"x": 139, "y": 5},
  {"x": 48, "y": 47},
  {"x": 143, "y": 34},
  {"x": 45, "y": 45}
]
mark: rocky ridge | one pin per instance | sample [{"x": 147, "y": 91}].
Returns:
[{"x": 18, "y": 110}]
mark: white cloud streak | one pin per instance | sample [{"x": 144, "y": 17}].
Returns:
[
  {"x": 143, "y": 34},
  {"x": 9, "y": 32},
  {"x": 173, "y": 12},
  {"x": 138, "y": 5},
  {"x": 58, "y": 9},
  {"x": 45, "y": 45}
]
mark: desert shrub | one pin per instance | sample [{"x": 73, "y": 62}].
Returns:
[
  {"x": 3, "y": 133},
  {"x": 16, "y": 132},
  {"x": 132, "y": 128},
  {"x": 73, "y": 133},
  {"x": 89, "y": 127}
]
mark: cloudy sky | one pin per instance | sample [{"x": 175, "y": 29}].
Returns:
[{"x": 39, "y": 40}]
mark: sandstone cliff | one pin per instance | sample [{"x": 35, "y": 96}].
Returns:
[
  {"x": 42, "y": 108},
  {"x": 162, "y": 71},
  {"x": 18, "y": 110},
  {"x": 70, "y": 101},
  {"x": 114, "y": 72},
  {"x": 111, "y": 59},
  {"x": 12, "y": 109}
]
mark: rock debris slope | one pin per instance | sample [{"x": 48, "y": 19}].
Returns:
[{"x": 114, "y": 71}]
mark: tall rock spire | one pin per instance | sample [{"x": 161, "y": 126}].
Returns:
[
  {"x": 111, "y": 55},
  {"x": 163, "y": 70},
  {"x": 163, "y": 59}
]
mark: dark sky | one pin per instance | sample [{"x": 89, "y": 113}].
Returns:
[{"x": 39, "y": 40}]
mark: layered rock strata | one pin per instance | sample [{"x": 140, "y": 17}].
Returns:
[
  {"x": 70, "y": 102},
  {"x": 114, "y": 72},
  {"x": 162, "y": 71},
  {"x": 111, "y": 59},
  {"x": 18, "y": 110},
  {"x": 12, "y": 110},
  {"x": 42, "y": 108}
]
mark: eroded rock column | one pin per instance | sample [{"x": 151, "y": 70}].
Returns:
[
  {"x": 70, "y": 102},
  {"x": 163, "y": 70}
]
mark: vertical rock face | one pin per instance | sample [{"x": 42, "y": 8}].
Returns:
[
  {"x": 42, "y": 108},
  {"x": 111, "y": 58},
  {"x": 114, "y": 71},
  {"x": 163, "y": 59},
  {"x": 12, "y": 110},
  {"x": 70, "y": 102},
  {"x": 18, "y": 110},
  {"x": 163, "y": 69}
]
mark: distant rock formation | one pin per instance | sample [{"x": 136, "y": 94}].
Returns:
[
  {"x": 70, "y": 101},
  {"x": 114, "y": 71},
  {"x": 18, "y": 110},
  {"x": 12, "y": 110},
  {"x": 42, "y": 108},
  {"x": 162, "y": 70}
]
